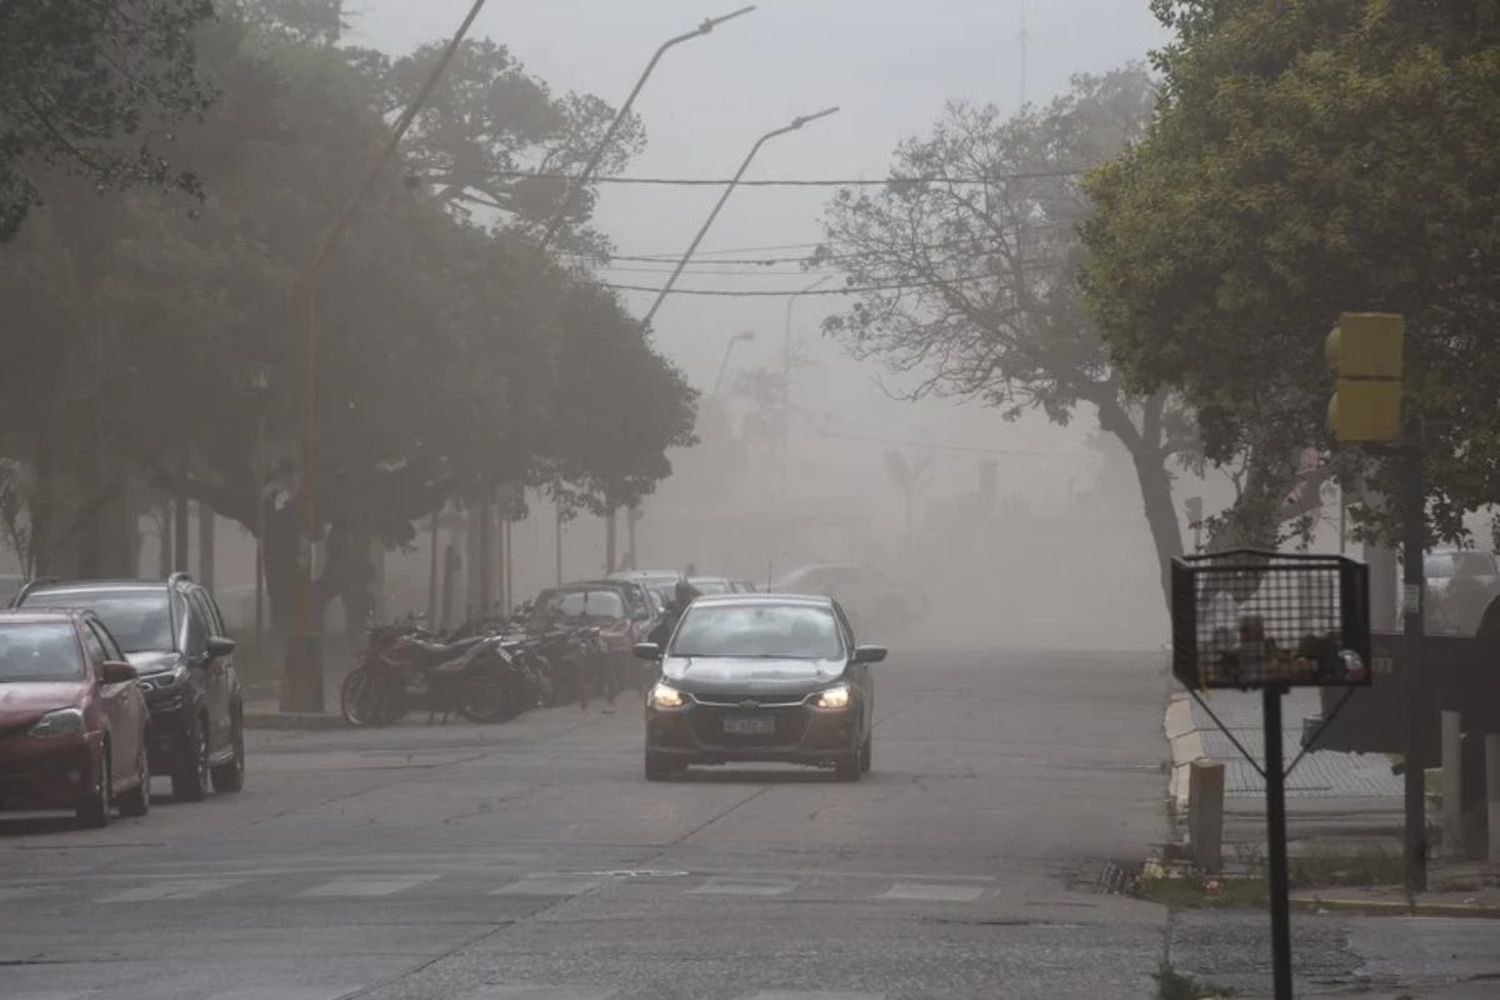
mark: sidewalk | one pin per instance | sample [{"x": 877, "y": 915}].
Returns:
[{"x": 263, "y": 707}]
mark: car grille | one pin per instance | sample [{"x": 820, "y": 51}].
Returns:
[{"x": 708, "y": 724}]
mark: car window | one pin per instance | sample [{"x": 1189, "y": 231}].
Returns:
[
  {"x": 39, "y": 651},
  {"x": 1473, "y": 564},
  {"x": 111, "y": 650},
  {"x": 140, "y": 620},
  {"x": 1438, "y": 567},
  {"x": 782, "y": 631},
  {"x": 214, "y": 620},
  {"x": 194, "y": 630},
  {"x": 94, "y": 646}
]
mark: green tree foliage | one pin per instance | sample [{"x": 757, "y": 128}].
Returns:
[
  {"x": 974, "y": 286},
  {"x": 453, "y": 357},
  {"x": 94, "y": 86},
  {"x": 1306, "y": 159}
]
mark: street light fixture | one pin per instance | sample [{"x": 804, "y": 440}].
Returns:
[
  {"x": 577, "y": 186},
  {"x": 796, "y": 124},
  {"x": 724, "y": 363}
]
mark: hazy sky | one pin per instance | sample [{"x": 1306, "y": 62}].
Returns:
[{"x": 890, "y": 65}]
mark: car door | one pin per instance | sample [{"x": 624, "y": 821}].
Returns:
[
  {"x": 130, "y": 723},
  {"x": 228, "y": 676},
  {"x": 215, "y": 683},
  {"x": 113, "y": 699},
  {"x": 858, "y": 674}
]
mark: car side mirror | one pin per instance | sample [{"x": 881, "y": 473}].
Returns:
[
  {"x": 869, "y": 654},
  {"x": 118, "y": 672},
  {"x": 218, "y": 646},
  {"x": 647, "y": 650}
]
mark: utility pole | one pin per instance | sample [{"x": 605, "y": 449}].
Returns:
[{"x": 1412, "y": 576}]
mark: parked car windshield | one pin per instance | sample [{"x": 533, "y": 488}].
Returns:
[
  {"x": 758, "y": 630},
  {"x": 39, "y": 651},
  {"x": 139, "y": 619},
  {"x": 588, "y": 603}
]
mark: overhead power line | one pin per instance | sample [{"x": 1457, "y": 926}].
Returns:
[
  {"x": 791, "y": 181},
  {"x": 782, "y": 293}
]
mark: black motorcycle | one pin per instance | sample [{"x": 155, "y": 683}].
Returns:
[{"x": 405, "y": 668}]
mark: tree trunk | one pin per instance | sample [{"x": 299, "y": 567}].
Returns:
[{"x": 1150, "y": 460}]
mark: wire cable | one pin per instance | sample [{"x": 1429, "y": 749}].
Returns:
[{"x": 776, "y": 181}]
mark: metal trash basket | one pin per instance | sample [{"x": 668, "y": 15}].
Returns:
[{"x": 1251, "y": 619}]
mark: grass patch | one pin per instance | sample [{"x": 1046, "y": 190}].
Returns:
[
  {"x": 1173, "y": 985},
  {"x": 1369, "y": 865},
  {"x": 1212, "y": 893}
]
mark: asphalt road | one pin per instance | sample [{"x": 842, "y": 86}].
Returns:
[{"x": 531, "y": 861}]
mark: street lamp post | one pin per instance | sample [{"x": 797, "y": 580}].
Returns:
[
  {"x": 709, "y": 24},
  {"x": 796, "y": 124},
  {"x": 724, "y": 363},
  {"x": 784, "y": 418}
]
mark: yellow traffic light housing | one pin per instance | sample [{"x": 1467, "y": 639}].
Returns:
[{"x": 1365, "y": 351}]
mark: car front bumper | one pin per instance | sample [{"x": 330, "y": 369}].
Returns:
[
  {"x": 798, "y": 733},
  {"x": 56, "y": 773}
]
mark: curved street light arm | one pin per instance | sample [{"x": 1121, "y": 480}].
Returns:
[
  {"x": 577, "y": 185},
  {"x": 666, "y": 290}
]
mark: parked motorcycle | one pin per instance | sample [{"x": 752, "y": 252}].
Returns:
[{"x": 404, "y": 668}]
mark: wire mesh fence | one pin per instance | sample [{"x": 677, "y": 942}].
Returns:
[{"x": 1249, "y": 619}]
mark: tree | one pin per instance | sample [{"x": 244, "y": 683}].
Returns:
[
  {"x": 1308, "y": 159},
  {"x": 94, "y": 86},
  {"x": 970, "y": 284}
]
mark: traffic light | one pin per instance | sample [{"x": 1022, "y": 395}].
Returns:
[{"x": 1365, "y": 352}]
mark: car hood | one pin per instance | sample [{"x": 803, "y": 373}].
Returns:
[
  {"x": 152, "y": 661},
  {"x": 750, "y": 675},
  {"x": 22, "y": 702}
]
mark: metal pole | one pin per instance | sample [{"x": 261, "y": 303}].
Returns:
[
  {"x": 785, "y": 415},
  {"x": 1412, "y": 547},
  {"x": 587, "y": 173},
  {"x": 724, "y": 362},
  {"x": 433, "y": 582},
  {"x": 260, "y": 532},
  {"x": 303, "y": 667},
  {"x": 557, "y": 543},
  {"x": 796, "y": 124},
  {"x": 1281, "y": 933}
]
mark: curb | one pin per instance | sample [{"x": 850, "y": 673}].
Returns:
[
  {"x": 293, "y": 720},
  {"x": 1393, "y": 908}
]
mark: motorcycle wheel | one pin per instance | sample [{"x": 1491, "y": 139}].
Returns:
[
  {"x": 364, "y": 700},
  {"x": 484, "y": 696}
]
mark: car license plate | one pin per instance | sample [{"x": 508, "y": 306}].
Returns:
[{"x": 750, "y": 725}]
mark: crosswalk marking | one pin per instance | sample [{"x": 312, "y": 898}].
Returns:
[
  {"x": 729, "y": 885},
  {"x": 287, "y": 993},
  {"x": 173, "y": 889},
  {"x": 53, "y": 995},
  {"x": 355, "y": 887},
  {"x": 549, "y": 885},
  {"x": 932, "y": 892},
  {"x": 9, "y": 893},
  {"x": 540, "y": 993},
  {"x": 812, "y": 995}
]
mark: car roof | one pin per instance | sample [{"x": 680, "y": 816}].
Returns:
[
  {"x": 809, "y": 600},
  {"x": 54, "y": 586},
  {"x": 30, "y": 616}
]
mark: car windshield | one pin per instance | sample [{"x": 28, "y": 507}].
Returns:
[
  {"x": 786, "y": 631},
  {"x": 709, "y": 585},
  {"x": 139, "y": 619},
  {"x": 39, "y": 651},
  {"x": 584, "y": 603}
]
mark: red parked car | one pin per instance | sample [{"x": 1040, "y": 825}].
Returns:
[{"x": 72, "y": 718}]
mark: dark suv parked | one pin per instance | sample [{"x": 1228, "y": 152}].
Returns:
[{"x": 172, "y": 633}]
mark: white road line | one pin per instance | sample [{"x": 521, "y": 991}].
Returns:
[
  {"x": 540, "y": 993},
  {"x": 549, "y": 885},
  {"x": 932, "y": 892},
  {"x": 729, "y": 885},
  {"x": 287, "y": 992},
  {"x": 27, "y": 892},
  {"x": 812, "y": 995},
  {"x": 359, "y": 887},
  {"x": 53, "y": 995},
  {"x": 180, "y": 889}
]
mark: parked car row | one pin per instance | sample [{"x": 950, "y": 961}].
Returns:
[{"x": 104, "y": 684}]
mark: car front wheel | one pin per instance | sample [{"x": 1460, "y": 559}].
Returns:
[
  {"x": 658, "y": 767},
  {"x": 94, "y": 813},
  {"x": 230, "y": 777},
  {"x": 190, "y": 782},
  {"x": 137, "y": 801}
]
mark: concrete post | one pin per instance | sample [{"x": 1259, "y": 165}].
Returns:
[
  {"x": 1492, "y": 792},
  {"x": 1206, "y": 812},
  {"x": 1453, "y": 784}
]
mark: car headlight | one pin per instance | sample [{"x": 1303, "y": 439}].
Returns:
[
  {"x": 163, "y": 681},
  {"x": 666, "y": 696},
  {"x": 834, "y": 697},
  {"x": 63, "y": 722}
]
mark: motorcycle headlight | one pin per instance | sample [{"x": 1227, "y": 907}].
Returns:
[
  {"x": 666, "y": 696},
  {"x": 835, "y": 697},
  {"x": 63, "y": 722}
]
